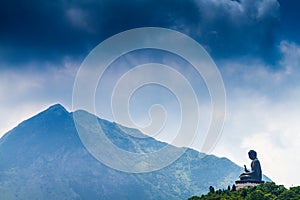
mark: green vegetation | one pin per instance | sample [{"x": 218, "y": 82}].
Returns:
[{"x": 267, "y": 191}]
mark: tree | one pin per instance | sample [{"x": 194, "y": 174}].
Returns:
[
  {"x": 288, "y": 195},
  {"x": 219, "y": 191},
  {"x": 233, "y": 188},
  {"x": 194, "y": 198},
  {"x": 211, "y": 189},
  {"x": 255, "y": 195},
  {"x": 271, "y": 187},
  {"x": 228, "y": 188},
  {"x": 296, "y": 190},
  {"x": 269, "y": 196},
  {"x": 244, "y": 193}
]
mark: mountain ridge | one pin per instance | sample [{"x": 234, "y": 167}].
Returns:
[{"x": 43, "y": 157}]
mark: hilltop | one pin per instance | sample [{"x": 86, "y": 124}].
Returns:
[{"x": 266, "y": 191}]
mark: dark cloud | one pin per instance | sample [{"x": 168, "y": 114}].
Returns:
[
  {"x": 233, "y": 29},
  {"x": 289, "y": 22},
  {"x": 50, "y": 31}
]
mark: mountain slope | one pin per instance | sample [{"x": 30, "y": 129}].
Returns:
[{"x": 43, "y": 158}]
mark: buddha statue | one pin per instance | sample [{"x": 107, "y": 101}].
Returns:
[{"x": 255, "y": 173}]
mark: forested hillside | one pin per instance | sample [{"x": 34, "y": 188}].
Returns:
[{"x": 267, "y": 191}]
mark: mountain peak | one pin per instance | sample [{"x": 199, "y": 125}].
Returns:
[
  {"x": 53, "y": 113},
  {"x": 56, "y": 109}
]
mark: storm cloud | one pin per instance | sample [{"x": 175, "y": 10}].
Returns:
[{"x": 42, "y": 32}]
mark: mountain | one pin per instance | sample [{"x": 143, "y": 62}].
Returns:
[{"x": 44, "y": 158}]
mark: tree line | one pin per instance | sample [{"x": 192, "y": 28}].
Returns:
[{"x": 266, "y": 191}]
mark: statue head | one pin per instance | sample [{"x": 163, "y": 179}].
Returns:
[{"x": 252, "y": 154}]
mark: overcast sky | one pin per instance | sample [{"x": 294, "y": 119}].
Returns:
[{"x": 254, "y": 43}]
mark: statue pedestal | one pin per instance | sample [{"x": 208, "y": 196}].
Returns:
[{"x": 246, "y": 184}]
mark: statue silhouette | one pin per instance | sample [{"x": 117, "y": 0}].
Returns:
[{"x": 255, "y": 173}]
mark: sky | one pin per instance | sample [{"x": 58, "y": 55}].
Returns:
[{"x": 254, "y": 44}]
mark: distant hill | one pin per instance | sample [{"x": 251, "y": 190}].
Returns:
[{"x": 43, "y": 158}]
